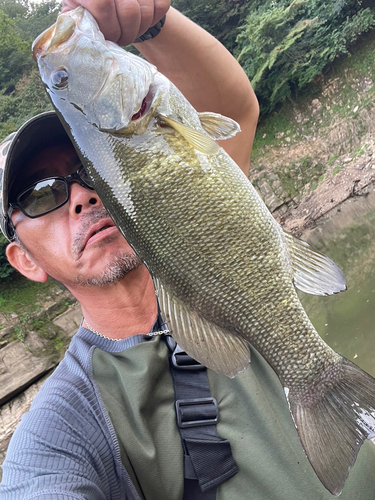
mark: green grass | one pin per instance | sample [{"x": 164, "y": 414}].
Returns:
[
  {"x": 295, "y": 176},
  {"x": 18, "y": 333},
  {"x": 22, "y": 296},
  {"x": 337, "y": 169},
  {"x": 332, "y": 159},
  {"x": 279, "y": 121}
]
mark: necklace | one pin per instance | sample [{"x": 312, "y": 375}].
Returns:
[{"x": 150, "y": 334}]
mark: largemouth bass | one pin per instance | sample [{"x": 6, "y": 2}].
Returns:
[{"x": 224, "y": 270}]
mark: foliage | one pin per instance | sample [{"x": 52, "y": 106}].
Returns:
[
  {"x": 221, "y": 18},
  {"x": 284, "y": 45},
  {"x": 31, "y": 18},
  {"x": 21, "y": 91},
  {"x": 27, "y": 100},
  {"x": 5, "y": 268},
  {"x": 14, "y": 53}
]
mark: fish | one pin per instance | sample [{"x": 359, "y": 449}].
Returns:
[{"x": 224, "y": 270}]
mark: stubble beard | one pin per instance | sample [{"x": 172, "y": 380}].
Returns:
[{"x": 120, "y": 265}]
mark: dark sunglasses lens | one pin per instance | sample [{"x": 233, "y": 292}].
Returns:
[{"x": 43, "y": 197}]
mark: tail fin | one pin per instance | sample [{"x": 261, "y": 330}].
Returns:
[{"x": 333, "y": 417}]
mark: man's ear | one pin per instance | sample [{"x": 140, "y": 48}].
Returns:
[{"x": 21, "y": 260}]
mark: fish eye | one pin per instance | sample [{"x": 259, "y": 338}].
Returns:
[{"x": 60, "y": 78}]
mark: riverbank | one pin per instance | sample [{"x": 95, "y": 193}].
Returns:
[
  {"x": 317, "y": 150},
  {"x": 356, "y": 180},
  {"x": 29, "y": 352}
]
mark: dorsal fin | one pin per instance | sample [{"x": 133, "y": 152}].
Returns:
[{"x": 218, "y": 127}]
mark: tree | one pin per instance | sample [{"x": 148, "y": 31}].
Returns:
[
  {"x": 221, "y": 18},
  {"x": 21, "y": 92},
  {"x": 14, "y": 53},
  {"x": 284, "y": 45},
  {"x": 37, "y": 18}
]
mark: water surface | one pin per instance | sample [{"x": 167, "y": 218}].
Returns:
[{"x": 346, "y": 321}]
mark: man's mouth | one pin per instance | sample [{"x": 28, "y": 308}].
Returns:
[{"x": 97, "y": 232}]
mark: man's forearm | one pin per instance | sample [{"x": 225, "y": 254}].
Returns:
[{"x": 208, "y": 76}]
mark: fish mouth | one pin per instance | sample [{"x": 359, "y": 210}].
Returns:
[
  {"x": 43, "y": 41},
  {"x": 145, "y": 106},
  {"x": 107, "y": 226},
  {"x": 56, "y": 35}
]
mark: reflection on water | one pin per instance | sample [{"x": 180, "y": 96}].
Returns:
[{"x": 347, "y": 321}]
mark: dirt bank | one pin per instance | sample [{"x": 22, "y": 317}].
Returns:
[{"x": 353, "y": 181}]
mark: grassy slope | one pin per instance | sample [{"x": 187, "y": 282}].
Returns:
[
  {"x": 297, "y": 142},
  {"x": 23, "y": 297}
]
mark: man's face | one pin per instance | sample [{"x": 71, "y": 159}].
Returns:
[{"x": 78, "y": 243}]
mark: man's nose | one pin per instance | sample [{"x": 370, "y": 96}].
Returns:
[{"x": 81, "y": 199}]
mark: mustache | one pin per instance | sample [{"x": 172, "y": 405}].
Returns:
[{"x": 87, "y": 220}]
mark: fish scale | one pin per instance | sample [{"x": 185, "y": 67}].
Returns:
[
  {"x": 184, "y": 240},
  {"x": 224, "y": 271}
]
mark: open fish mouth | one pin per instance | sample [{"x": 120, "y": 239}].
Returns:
[{"x": 53, "y": 37}]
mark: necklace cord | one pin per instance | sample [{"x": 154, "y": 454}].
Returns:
[{"x": 150, "y": 334}]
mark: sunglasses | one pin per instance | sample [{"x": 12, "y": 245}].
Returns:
[{"x": 49, "y": 194}]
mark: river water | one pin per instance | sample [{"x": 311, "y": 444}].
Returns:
[{"x": 346, "y": 321}]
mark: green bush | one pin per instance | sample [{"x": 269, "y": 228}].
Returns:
[
  {"x": 28, "y": 99},
  {"x": 221, "y": 18},
  {"x": 14, "y": 53},
  {"x": 284, "y": 45}
]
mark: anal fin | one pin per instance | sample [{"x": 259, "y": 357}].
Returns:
[{"x": 207, "y": 343}]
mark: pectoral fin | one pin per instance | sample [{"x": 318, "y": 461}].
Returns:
[
  {"x": 195, "y": 138},
  {"x": 218, "y": 127},
  {"x": 314, "y": 272},
  {"x": 207, "y": 343}
]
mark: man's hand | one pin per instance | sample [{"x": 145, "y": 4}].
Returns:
[{"x": 122, "y": 21}]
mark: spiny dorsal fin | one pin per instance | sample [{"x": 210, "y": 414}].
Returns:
[
  {"x": 218, "y": 127},
  {"x": 199, "y": 141},
  {"x": 207, "y": 343},
  {"x": 314, "y": 272}
]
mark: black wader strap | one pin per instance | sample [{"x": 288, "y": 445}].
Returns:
[{"x": 208, "y": 459}]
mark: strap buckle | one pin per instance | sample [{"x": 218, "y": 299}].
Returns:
[
  {"x": 180, "y": 359},
  {"x": 196, "y": 416}
]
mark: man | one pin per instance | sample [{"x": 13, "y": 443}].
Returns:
[{"x": 104, "y": 424}]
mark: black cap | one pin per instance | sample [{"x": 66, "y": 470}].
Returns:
[{"x": 36, "y": 134}]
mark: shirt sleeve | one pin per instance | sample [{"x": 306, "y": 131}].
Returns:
[{"x": 50, "y": 456}]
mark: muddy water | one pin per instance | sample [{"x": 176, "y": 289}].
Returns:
[{"x": 347, "y": 321}]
